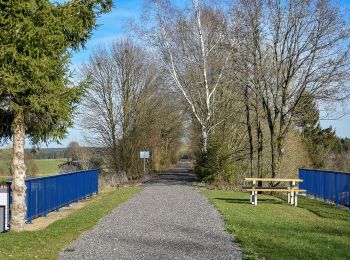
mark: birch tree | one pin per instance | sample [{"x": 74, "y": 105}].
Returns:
[{"x": 189, "y": 42}]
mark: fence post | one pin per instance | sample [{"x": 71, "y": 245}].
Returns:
[
  {"x": 324, "y": 187},
  {"x": 97, "y": 175},
  {"x": 45, "y": 198},
  {"x": 336, "y": 189},
  {"x": 28, "y": 200},
  {"x": 9, "y": 202},
  {"x": 58, "y": 203}
]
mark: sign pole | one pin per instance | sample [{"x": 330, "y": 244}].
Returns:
[
  {"x": 144, "y": 155},
  {"x": 144, "y": 167}
]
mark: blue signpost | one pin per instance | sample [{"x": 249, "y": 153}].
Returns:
[{"x": 144, "y": 155}]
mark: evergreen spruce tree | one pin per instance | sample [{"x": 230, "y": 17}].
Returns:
[
  {"x": 36, "y": 97},
  {"x": 318, "y": 142}
]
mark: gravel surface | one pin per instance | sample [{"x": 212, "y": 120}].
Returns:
[{"x": 168, "y": 219}]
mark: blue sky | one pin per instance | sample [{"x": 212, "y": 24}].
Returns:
[{"x": 112, "y": 26}]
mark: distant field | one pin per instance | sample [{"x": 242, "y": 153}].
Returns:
[
  {"x": 49, "y": 166},
  {"x": 4, "y": 166},
  {"x": 46, "y": 166}
]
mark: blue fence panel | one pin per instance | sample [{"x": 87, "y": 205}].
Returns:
[
  {"x": 46, "y": 194},
  {"x": 327, "y": 185}
]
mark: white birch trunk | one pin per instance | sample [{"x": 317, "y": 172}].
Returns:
[
  {"x": 18, "y": 168},
  {"x": 204, "y": 143}
]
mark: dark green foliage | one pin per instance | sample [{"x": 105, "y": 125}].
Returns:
[
  {"x": 36, "y": 37},
  {"x": 217, "y": 162},
  {"x": 306, "y": 114},
  {"x": 341, "y": 145},
  {"x": 204, "y": 173},
  {"x": 318, "y": 142},
  {"x": 48, "y": 153}
]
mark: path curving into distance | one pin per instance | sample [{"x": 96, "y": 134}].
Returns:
[{"x": 168, "y": 219}]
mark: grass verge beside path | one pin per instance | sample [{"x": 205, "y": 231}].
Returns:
[
  {"x": 47, "y": 243},
  {"x": 275, "y": 230}
]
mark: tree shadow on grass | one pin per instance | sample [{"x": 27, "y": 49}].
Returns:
[
  {"x": 246, "y": 201},
  {"x": 322, "y": 209}
]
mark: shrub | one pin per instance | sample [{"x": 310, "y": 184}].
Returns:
[
  {"x": 33, "y": 169},
  {"x": 204, "y": 173},
  {"x": 3, "y": 172}
]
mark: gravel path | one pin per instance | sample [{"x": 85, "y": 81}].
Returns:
[{"x": 168, "y": 219}]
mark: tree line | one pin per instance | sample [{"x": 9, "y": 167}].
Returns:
[
  {"x": 251, "y": 73},
  {"x": 128, "y": 108}
]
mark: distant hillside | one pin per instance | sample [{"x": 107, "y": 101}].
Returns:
[
  {"x": 48, "y": 153},
  {"x": 51, "y": 153}
]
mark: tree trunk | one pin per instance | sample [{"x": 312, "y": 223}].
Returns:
[
  {"x": 18, "y": 169},
  {"x": 249, "y": 128},
  {"x": 260, "y": 149},
  {"x": 273, "y": 154},
  {"x": 279, "y": 154},
  {"x": 204, "y": 145},
  {"x": 259, "y": 137}
]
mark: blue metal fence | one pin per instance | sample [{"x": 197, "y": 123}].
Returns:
[
  {"x": 327, "y": 185},
  {"x": 46, "y": 194}
]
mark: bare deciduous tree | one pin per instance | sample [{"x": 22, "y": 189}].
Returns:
[
  {"x": 289, "y": 48},
  {"x": 126, "y": 109}
]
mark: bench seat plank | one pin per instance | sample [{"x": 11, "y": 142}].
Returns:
[
  {"x": 264, "y": 188},
  {"x": 273, "y": 179}
]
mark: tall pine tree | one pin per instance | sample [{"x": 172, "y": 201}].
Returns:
[
  {"x": 36, "y": 97},
  {"x": 318, "y": 142}
]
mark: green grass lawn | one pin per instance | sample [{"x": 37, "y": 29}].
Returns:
[
  {"x": 47, "y": 243},
  {"x": 275, "y": 230}
]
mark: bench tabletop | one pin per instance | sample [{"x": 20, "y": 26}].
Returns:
[
  {"x": 276, "y": 190},
  {"x": 273, "y": 179}
]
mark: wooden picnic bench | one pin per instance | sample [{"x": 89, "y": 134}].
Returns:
[{"x": 291, "y": 188}]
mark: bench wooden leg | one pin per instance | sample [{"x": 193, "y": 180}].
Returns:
[
  {"x": 292, "y": 197},
  {"x": 256, "y": 198},
  {"x": 295, "y": 199},
  {"x": 288, "y": 197}
]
